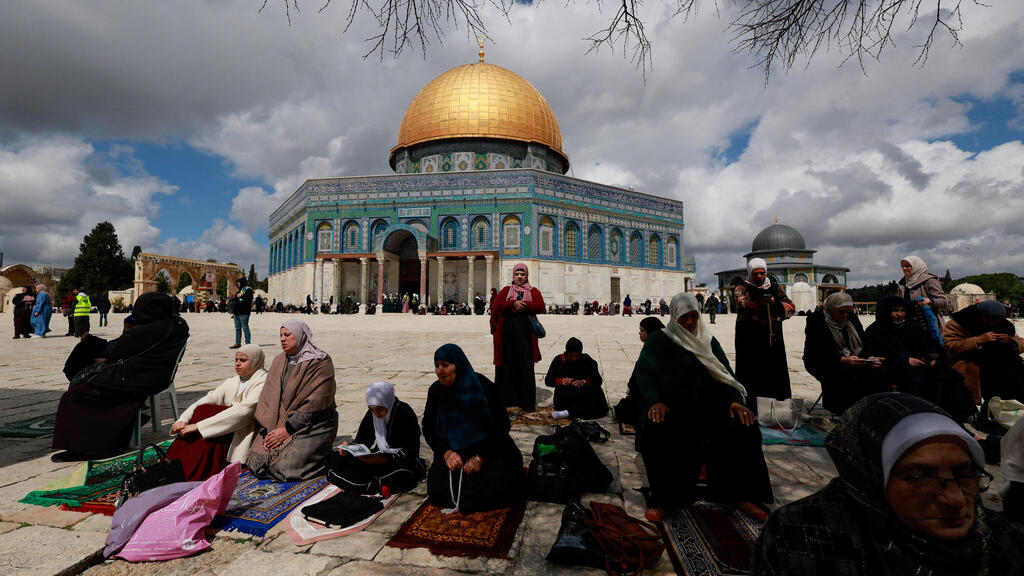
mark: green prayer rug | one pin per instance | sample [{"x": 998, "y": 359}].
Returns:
[{"x": 32, "y": 428}]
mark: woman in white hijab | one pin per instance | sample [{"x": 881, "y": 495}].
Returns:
[
  {"x": 384, "y": 457},
  {"x": 226, "y": 411},
  {"x": 922, "y": 287},
  {"x": 694, "y": 416}
]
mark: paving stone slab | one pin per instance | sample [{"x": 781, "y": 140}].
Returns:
[
  {"x": 359, "y": 546},
  {"x": 259, "y": 563},
  {"x": 95, "y": 523},
  {"x": 46, "y": 516},
  {"x": 6, "y": 527},
  {"x": 46, "y": 551},
  {"x": 211, "y": 562}
]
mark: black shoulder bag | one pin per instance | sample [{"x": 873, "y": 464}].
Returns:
[{"x": 145, "y": 476}]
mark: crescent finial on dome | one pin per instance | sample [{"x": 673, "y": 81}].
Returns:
[{"x": 480, "y": 40}]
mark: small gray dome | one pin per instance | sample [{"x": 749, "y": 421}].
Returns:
[{"x": 777, "y": 238}]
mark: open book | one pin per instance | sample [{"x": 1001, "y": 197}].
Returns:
[{"x": 356, "y": 449}]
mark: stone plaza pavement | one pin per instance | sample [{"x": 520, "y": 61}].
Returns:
[{"x": 398, "y": 348}]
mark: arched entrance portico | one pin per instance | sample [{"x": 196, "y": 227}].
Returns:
[
  {"x": 203, "y": 275},
  {"x": 403, "y": 246}
]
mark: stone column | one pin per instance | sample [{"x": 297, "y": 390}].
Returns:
[
  {"x": 469, "y": 291},
  {"x": 423, "y": 278},
  {"x": 490, "y": 276},
  {"x": 318, "y": 281},
  {"x": 440, "y": 280},
  {"x": 363, "y": 278},
  {"x": 380, "y": 281}
]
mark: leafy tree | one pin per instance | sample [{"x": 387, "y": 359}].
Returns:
[
  {"x": 163, "y": 283},
  {"x": 184, "y": 280},
  {"x": 773, "y": 31},
  {"x": 1006, "y": 285},
  {"x": 135, "y": 252},
  {"x": 100, "y": 265},
  {"x": 873, "y": 293},
  {"x": 222, "y": 286},
  {"x": 947, "y": 280},
  {"x": 252, "y": 280}
]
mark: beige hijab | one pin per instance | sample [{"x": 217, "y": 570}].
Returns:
[
  {"x": 699, "y": 341},
  {"x": 843, "y": 333},
  {"x": 918, "y": 269}
]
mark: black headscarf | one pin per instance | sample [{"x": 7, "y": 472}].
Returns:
[
  {"x": 573, "y": 345},
  {"x": 855, "y": 446},
  {"x": 651, "y": 324}
]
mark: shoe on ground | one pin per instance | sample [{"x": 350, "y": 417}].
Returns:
[
  {"x": 233, "y": 346},
  {"x": 655, "y": 514}
]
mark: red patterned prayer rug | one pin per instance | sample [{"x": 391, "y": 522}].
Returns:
[
  {"x": 486, "y": 534},
  {"x": 708, "y": 539}
]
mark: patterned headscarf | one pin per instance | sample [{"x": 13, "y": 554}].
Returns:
[
  {"x": 305, "y": 349},
  {"x": 463, "y": 414},
  {"x": 844, "y": 333}
]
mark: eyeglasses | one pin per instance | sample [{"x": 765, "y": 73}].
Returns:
[{"x": 970, "y": 485}]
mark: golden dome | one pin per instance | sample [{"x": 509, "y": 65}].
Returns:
[{"x": 479, "y": 100}]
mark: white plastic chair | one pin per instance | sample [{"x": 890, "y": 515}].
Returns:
[{"x": 154, "y": 405}]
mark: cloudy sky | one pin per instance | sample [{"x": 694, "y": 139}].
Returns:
[{"x": 185, "y": 123}]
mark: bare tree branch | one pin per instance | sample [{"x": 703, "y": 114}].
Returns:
[{"x": 775, "y": 32}]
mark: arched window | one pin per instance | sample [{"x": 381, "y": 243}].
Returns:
[
  {"x": 511, "y": 228},
  {"x": 450, "y": 233},
  {"x": 672, "y": 252},
  {"x": 653, "y": 249},
  {"x": 595, "y": 244},
  {"x": 377, "y": 233},
  {"x": 419, "y": 225},
  {"x": 572, "y": 240},
  {"x": 635, "y": 256},
  {"x": 829, "y": 279},
  {"x": 481, "y": 232},
  {"x": 800, "y": 277},
  {"x": 351, "y": 237},
  {"x": 546, "y": 234},
  {"x": 324, "y": 237},
  {"x": 616, "y": 249}
]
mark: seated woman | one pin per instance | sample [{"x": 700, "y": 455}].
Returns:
[
  {"x": 832, "y": 353},
  {"x": 577, "y": 383},
  {"x": 295, "y": 415},
  {"x": 219, "y": 427},
  {"x": 914, "y": 361},
  {"x": 476, "y": 464},
  {"x": 392, "y": 434},
  {"x": 1012, "y": 466},
  {"x": 907, "y": 501},
  {"x": 627, "y": 408},
  {"x": 985, "y": 348},
  {"x": 96, "y": 416},
  {"x": 694, "y": 415}
]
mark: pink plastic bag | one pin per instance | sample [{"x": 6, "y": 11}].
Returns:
[{"x": 176, "y": 530}]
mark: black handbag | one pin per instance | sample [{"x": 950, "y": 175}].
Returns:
[
  {"x": 564, "y": 465},
  {"x": 575, "y": 546},
  {"x": 145, "y": 476}
]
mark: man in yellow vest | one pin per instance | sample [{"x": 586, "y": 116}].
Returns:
[{"x": 81, "y": 314}]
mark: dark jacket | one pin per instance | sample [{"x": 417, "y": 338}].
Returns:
[
  {"x": 242, "y": 305},
  {"x": 668, "y": 373},
  {"x": 496, "y": 447},
  {"x": 140, "y": 362},
  {"x": 841, "y": 385},
  {"x": 403, "y": 430}
]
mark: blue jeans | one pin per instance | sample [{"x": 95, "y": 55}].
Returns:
[{"x": 242, "y": 323}]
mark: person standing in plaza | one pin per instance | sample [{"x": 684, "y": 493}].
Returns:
[
  {"x": 711, "y": 305},
  {"x": 41, "y": 312},
  {"x": 67, "y": 308},
  {"x": 23, "y": 304},
  {"x": 241, "y": 309},
  {"x": 761, "y": 306},
  {"x": 103, "y": 307},
  {"x": 83, "y": 306},
  {"x": 922, "y": 288},
  {"x": 515, "y": 343}
]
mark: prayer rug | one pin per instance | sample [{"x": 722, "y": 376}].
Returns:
[
  {"x": 92, "y": 487},
  {"x": 257, "y": 505},
  {"x": 487, "y": 534},
  {"x": 708, "y": 539},
  {"x": 305, "y": 531},
  {"x": 806, "y": 435},
  {"x": 33, "y": 428},
  {"x": 541, "y": 417}
]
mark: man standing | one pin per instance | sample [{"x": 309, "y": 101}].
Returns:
[
  {"x": 81, "y": 314},
  {"x": 712, "y": 307},
  {"x": 242, "y": 307},
  {"x": 67, "y": 308}
]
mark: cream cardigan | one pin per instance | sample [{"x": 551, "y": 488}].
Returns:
[{"x": 238, "y": 419}]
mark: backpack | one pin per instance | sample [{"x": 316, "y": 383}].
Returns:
[{"x": 564, "y": 465}]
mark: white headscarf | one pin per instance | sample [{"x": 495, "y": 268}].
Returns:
[
  {"x": 382, "y": 394},
  {"x": 917, "y": 270},
  {"x": 754, "y": 264},
  {"x": 699, "y": 341}
]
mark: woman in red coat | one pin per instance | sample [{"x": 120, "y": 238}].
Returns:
[{"x": 515, "y": 344}]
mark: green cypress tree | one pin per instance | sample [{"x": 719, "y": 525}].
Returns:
[{"x": 100, "y": 265}]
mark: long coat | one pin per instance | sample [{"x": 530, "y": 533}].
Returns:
[
  {"x": 502, "y": 306},
  {"x": 760, "y": 348},
  {"x": 237, "y": 420},
  {"x": 960, "y": 341}
]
